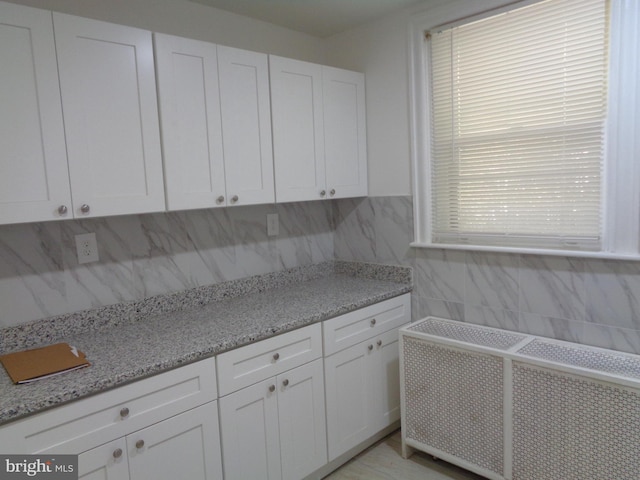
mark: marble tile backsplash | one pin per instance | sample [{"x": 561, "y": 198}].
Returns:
[
  {"x": 146, "y": 255},
  {"x": 591, "y": 301}
]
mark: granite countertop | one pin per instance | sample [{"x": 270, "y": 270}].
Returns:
[{"x": 123, "y": 350}]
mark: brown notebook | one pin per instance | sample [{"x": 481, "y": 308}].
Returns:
[{"x": 30, "y": 365}]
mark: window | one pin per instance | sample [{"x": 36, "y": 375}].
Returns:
[{"x": 515, "y": 146}]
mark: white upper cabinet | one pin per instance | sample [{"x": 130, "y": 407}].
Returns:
[
  {"x": 298, "y": 136},
  {"x": 34, "y": 181},
  {"x": 107, "y": 82},
  {"x": 319, "y": 131},
  {"x": 345, "y": 133},
  {"x": 216, "y": 124},
  {"x": 189, "y": 101},
  {"x": 246, "y": 126}
]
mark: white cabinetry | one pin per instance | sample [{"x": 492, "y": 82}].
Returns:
[
  {"x": 246, "y": 125},
  {"x": 173, "y": 415},
  {"x": 280, "y": 420},
  {"x": 362, "y": 372},
  {"x": 107, "y": 81},
  {"x": 319, "y": 131},
  {"x": 216, "y": 126},
  {"x": 34, "y": 181},
  {"x": 189, "y": 101},
  {"x": 102, "y": 156},
  {"x": 184, "y": 446}
]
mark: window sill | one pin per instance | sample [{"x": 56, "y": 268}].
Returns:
[{"x": 529, "y": 251}]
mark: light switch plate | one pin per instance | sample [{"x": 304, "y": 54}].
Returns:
[
  {"x": 87, "y": 248},
  {"x": 273, "y": 226}
]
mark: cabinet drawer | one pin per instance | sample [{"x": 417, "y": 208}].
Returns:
[
  {"x": 245, "y": 366},
  {"x": 354, "y": 327},
  {"x": 87, "y": 423}
]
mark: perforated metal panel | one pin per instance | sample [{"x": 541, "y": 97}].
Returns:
[
  {"x": 577, "y": 356},
  {"x": 454, "y": 402},
  {"x": 473, "y": 334},
  {"x": 573, "y": 428}
]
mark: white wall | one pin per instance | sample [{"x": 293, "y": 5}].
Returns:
[{"x": 192, "y": 20}]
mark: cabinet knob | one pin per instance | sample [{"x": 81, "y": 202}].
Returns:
[
  {"x": 373, "y": 322},
  {"x": 285, "y": 382},
  {"x": 85, "y": 208},
  {"x": 220, "y": 199},
  {"x": 62, "y": 209},
  {"x": 124, "y": 412},
  {"x": 234, "y": 199},
  {"x": 117, "y": 453},
  {"x": 323, "y": 193},
  {"x": 379, "y": 343},
  {"x": 139, "y": 444},
  {"x": 272, "y": 388},
  {"x": 332, "y": 192},
  {"x": 276, "y": 356},
  {"x": 370, "y": 347}
]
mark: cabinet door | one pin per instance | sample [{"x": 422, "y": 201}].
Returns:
[
  {"x": 298, "y": 142},
  {"x": 107, "y": 81},
  {"x": 349, "y": 398},
  {"x": 246, "y": 121},
  {"x": 185, "y": 446},
  {"x": 385, "y": 372},
  {"x": 303, "y": 438},
  {"x": 189, "y": 102},
  {"x": 34, "y": 181},
  {"x": 344, "y": 133},
  {"x": 250, "y": 436},
  {"x": 106, "y": 462}
]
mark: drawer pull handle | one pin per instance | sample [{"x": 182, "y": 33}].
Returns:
[
  {"x": 139, "y": 444},
  {"x": 285, "y": 382},
  {"x": 373, "y": 322},
  {"x": 85, "y": 208},
  {"x": 379, "y": 343},
  {"x": 220, "y": 199},
  {"x": 124, "y": 413},
  {"x": 234, "y": 199},
  {"x": 276, "y": 356},
  {"x": 62, "y": 209},
  {"x": 117, "y": 453},
  {"x": 370, "y": 347},
  {"x": 272, "y": 388}
]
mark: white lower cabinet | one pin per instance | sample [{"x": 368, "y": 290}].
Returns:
[
  {"x": 363, "y": 391},
  {"x": 362, "y": 381},
  {"x": 106, "y": 462},
  {"x": 184, "y": 446},
  {"x": 275, "y": 428},
  {"x": 164, "y": 427}
]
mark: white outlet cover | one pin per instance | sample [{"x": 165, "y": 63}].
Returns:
[
  {"x": 87, "y": 248},
  {"x": 273, "y": 226}
]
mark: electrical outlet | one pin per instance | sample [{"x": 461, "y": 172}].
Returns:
[
  {"x": 87, "y": 248},
  {"x": 273, "y": 227}
]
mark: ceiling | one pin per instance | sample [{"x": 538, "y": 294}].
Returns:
[{"x": 320, "y": 18}]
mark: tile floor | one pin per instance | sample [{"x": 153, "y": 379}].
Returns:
[{"x": 383, "y": 461}]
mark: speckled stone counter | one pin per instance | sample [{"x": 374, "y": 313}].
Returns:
[{"x": 127, "y": 342}]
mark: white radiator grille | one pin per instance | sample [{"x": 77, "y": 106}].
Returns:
[
  {"x": 456, "y": 401},
  {"x": 467, "y": 333},
  {"x": 608, "y": 362},
  {"x": 573, "y": 428}
]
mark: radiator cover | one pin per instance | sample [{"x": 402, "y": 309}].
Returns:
[{"x": 513, "y": 406}]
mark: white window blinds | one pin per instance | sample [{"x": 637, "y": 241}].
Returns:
[{"x": 518, "y": 114}]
